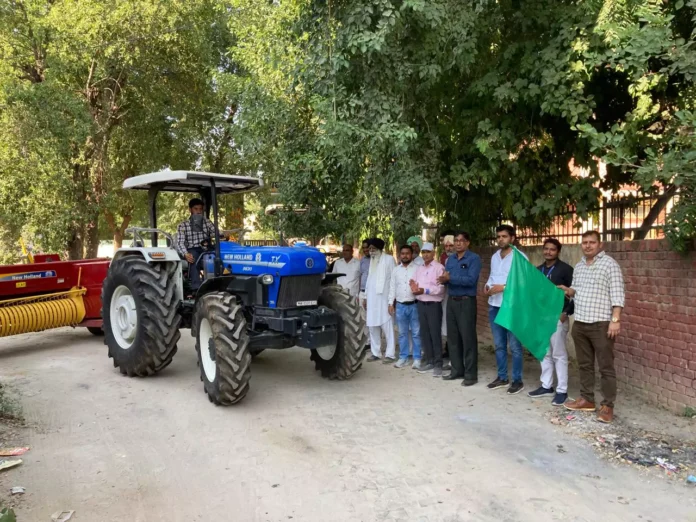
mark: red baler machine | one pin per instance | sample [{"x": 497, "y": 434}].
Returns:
[{"x": 50, "y": 293}]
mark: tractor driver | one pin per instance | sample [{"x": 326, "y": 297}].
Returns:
[{"x": 189, "y": 236}]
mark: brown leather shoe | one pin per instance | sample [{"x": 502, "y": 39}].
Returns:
[
  {"x": 580, "y": 404},
  {"x": 606, "y": 414}
]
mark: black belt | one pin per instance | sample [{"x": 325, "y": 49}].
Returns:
[
  {"x": 430, "y": 302},
  {"x": 407, "y": 303},
  {"x": 461, "y": 297}
]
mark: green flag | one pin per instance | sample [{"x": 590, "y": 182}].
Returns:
[{"x": 531, "y": 306}]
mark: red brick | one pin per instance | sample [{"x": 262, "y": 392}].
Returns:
[{"x": 677, "y": 362}]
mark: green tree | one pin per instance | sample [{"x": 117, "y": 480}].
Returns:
[
  {"x": 472, "y": 111},
  {"x": 93, "y": 92}
]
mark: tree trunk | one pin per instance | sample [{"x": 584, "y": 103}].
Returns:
[
  {"x": 118, "y": 240},
  {"x": 235, "y": 214},
  {"x": 91, "y": 248},
  {"x": 117, "y": 231},
  {"x": 75, "y": 246}
]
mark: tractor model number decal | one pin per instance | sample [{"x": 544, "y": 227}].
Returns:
[
  {"x": 28, "y": 275},
  {"x": 21, "y": 284},
  {"x": 306, "y": 303}
]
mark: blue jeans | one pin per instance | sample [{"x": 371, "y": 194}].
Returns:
[
  {"x": 407, "y": 319},
  {"x": 501, "y": 336}
]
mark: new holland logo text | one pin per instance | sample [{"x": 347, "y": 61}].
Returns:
[{"x": 28, "y": 275}]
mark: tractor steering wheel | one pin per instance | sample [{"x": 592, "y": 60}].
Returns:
[{"x": 208, "y": 244}]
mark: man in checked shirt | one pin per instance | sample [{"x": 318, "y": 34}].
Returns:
[
  {"x": 189, "y": 236},
  {"x": 598, "y": 293}
]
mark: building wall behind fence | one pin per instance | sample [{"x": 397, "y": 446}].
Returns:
[{"x": 656, "y": 352}]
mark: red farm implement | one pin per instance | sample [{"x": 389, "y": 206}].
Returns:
[{"x": 50, "y": 293}]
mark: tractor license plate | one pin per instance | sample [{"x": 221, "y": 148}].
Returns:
[{"x": 306, "y": 303}]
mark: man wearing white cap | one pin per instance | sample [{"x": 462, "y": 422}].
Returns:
[
  {"x": 429, "y": 293},
  {"x": 377, "y": 290}
]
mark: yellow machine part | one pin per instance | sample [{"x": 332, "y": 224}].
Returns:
[{"x": 34, "y": 314}]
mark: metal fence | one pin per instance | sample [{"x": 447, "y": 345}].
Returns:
[{"x": 617, "y": 219}]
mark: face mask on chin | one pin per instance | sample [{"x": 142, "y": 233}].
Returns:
[{"x": 197, "y": 221}]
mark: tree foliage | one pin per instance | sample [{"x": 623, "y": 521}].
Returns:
[
  {"x": 368, "y": 115},
  {"x": 472, "y": 111},
  {"x": 92, "y": 92}
]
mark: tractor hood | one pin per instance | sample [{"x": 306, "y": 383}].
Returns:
[{"x": 277, "y": 261}]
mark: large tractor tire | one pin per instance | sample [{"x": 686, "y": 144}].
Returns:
[
  {"x": 140, "y": 312},
  {"x": 347, "y": 358},
  {"x": 222, "y": 343}
]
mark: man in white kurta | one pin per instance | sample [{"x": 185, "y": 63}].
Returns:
[
  {"x": 378, "y": 318},
  {"x": 349, "y": 266}
]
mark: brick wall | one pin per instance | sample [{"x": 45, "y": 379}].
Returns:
[{"x": 656, "y": 351}]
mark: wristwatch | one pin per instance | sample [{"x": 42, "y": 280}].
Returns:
[{"x": 614, "y": 319}]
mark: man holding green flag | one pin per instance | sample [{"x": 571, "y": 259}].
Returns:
[
  {"x": 530, "y": 310},
  {"x": 495, "y": 289}
]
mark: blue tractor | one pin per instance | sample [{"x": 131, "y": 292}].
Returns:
[{"x": 251, "y": 299}]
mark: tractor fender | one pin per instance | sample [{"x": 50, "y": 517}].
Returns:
[
  {"x": 330, "y": 279},
  {"x": 149, "y": 254},
  {"x": 153, "y": 256}
]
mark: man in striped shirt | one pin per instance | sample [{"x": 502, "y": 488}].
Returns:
[{"x": 598, "y": 293}]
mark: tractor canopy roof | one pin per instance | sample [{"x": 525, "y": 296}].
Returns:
[{"x": 192, "y": 181}]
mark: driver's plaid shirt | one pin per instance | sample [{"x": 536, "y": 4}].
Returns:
[
  {"x": 598, "y": 288},
  {"x": 187, "y": 238}
]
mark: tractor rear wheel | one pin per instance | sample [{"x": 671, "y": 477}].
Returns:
[
  {"x": 346, "y": 359},
  {"x": 140, "y": 313},
  {"x": 222, "y": 343}
]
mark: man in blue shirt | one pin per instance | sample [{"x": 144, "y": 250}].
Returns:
[{"x": 461, "y": 276}]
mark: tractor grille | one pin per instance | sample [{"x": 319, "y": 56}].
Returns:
[{"x": 298, "y": 289}]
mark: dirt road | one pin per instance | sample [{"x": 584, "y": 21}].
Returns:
[{"x": 387, "y": 445}]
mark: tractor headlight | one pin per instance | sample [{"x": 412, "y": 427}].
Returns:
[{"x": 267, "y": 279}]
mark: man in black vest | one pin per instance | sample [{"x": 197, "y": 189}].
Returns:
[{"x": 559, "y": 273}]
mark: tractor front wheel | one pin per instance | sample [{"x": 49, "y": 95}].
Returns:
[
  {"x": 140, "y": 312},
  {"x": 222, "y": 344},
  {"x": 346, "y": 358}
]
